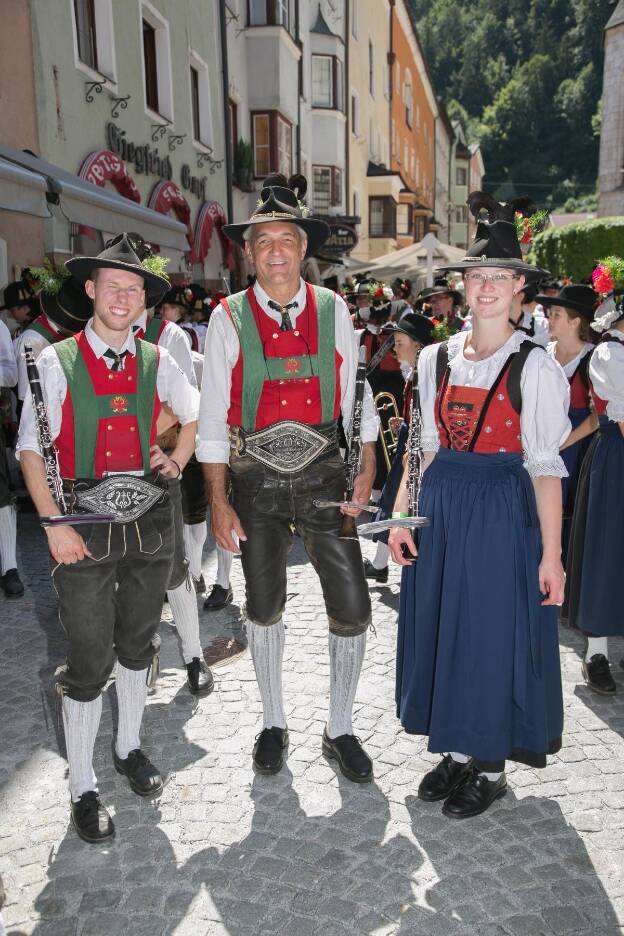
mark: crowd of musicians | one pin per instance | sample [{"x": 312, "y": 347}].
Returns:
[{"x": 482, "y": 423}]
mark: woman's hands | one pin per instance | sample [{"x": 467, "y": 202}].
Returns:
[
  {"x": 552, "y": 581},
  {"x": 401, "y": 537}
]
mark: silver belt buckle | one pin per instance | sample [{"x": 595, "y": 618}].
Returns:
[
  {"x": 124, "y": 496},
  {"x": 287, "y": 446}
]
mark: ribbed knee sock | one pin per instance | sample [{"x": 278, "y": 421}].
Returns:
[
  {"x": 81, "y": 721},
  {"x": 459, "y": 758},
  {"x": 194, "y": 539},
  {"x": 183, "y": 604},
  {"x": 597, "y": 645},
  {"x": 345, "y": 664},
  {"x": 224, "y": 566},
  {"x": 381, "y": 556},
  {"x": 266, "y": 645},
  {"x": 8, "y": 537},
  {"x": 131, "y": 688}
]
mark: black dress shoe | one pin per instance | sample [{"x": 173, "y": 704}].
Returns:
[
  {"x": 142, "y": 776},
  {"x": 442, "y": 780},
  {"x": 597, "y": 674},
  {"x": 11, "y": 584},
  {"x": 200, "y": 585},
  {"x": 474, "y": 795},
  {"x": 379, "y": 575},
  {"x": 200, "y": 679},
  {"x": 90, "y": 819},
  {"x": 218, "y": 598},
  {"x": 352, "y": 759},
  {"x": 268, "y": 752}
]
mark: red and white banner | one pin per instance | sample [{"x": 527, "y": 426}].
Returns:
[
  {"x": 211, "y": 215},
  {"x": 166, "y": 197},
  {"x": 104, "y": 166}
]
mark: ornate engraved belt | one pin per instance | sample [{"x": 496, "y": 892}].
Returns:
[
  {"x": 286, "y": 446},
  {"x": 126, "y": 497}
]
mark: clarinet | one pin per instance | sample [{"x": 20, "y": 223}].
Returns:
[
  {"x": 354, "y": 460},
  {"x": 46, "y": 444}
]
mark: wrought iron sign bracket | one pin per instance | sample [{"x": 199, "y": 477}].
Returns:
[
  {"x": 175, "y": 140},
  {"x": 205, "y": 159},
  {"x": 119, "y": 103},
  {"x": 91, "y": 87},
  {"x": 159, "y": 131}
]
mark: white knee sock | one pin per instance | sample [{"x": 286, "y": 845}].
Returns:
[
  {"x": 381, "y": 556},
  {"x": 131, "y": 688},
  {"x": 8, "y": 537},
  {"x": 81, "y": 721},
  {"x": 345, "y": 663},
  {"x": 194, "y": 539},
  {"x": 459, "y": 758},
  {"x": 266, "y": 645},
  {"x": 224, "y": 566},
  {"x": 597, "y": 645},
  {"x": 183, "y": 604}
]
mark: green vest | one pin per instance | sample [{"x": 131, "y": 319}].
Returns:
[{"x": 256, "y": 365}]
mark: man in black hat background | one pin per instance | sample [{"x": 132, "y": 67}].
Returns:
[
  {"x": 19, "y": 304},
  {"x": 280, "y": 368},
  {"x": 443, "y": 303},
  {"x": 10, "y": 581},
  {"x": 104, "y": 390}
]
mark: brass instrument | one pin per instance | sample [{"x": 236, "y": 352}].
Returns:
[{"x": 387, "y": 410}]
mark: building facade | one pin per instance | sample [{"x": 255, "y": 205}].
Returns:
[
  {"x": 444, "y": 138},
  {"x": 611, "y": 166},
  {"x": 459, "y": 188}
]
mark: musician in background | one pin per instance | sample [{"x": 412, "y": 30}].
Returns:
[
  {"x": 412, "y": 333},
  {"x": 104, "y": 390},
  {"x": 281, "y": 360},
  {"x": 10, "y": 581}
]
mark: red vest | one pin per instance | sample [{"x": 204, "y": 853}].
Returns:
[
  {"x": 297, "y": 398},
  {"x": 118, "y": 446},
  {"x": 389, "y": 361},
  {"x": 153, "y": 331},
  {"x": 476, "y": 420},
  {"x": 579, "y": 385}
]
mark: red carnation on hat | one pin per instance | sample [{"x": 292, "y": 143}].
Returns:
[
  {"x": 603, "y": 280},
  {"x": 379, "y": 292}
]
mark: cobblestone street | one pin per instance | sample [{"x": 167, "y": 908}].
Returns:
[{"x": 304, "y": 852}]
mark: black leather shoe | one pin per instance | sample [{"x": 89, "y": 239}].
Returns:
[
  {"x": 442, "y": 780},
  {"x": 597, "y": 674},
  {"x": 200, "y": 585},
  {"x": 352, "y": 759},
  {"x": 90, "y": 820},
  {"x": 200, "y": 679},
  {"x": 218, "y": 598},
  {"x": 11, "y": 584},
  {"x": 474, "y": 795},
  {"x": 268, "y": 752},
  {"x": 379, "y": 575},
  {"x": 142, "y": 776}
]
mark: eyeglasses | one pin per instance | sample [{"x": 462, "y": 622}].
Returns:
[{"x": 482, "y": 278}]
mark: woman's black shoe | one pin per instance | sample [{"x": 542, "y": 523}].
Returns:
[
  {"x": 91, "y": 820},
  {"x": 142, "y": 776},
  {"x": 379, "y": 575},
  {"x": 218, "y": 598},
  {"x": 352, "y": 759},
  {"x": 268, "y": 752},
  {"x": 597, "y": 674},
  {"x": 474, "y": 795},
  {"x": 11, "y": 584},
  {"x": 200, "y": 679},
  {"x": 442, "y": 780}
]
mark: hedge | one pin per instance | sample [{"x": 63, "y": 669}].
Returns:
[{"x": 574, "y": 249}]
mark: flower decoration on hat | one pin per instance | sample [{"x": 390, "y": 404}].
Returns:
[
  {"x": 151, "y": 261},
  {"x": 528, "y": 226},
  {"x": 440, "y": 330},
  {"x": 49, "y": 278},
  {"x": 608, "y": 281},
  {"x": 379, "y": 293}
]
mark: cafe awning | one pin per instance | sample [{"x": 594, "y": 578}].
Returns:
[
  {"x": 22, "y": 190},
  {"x": 92, "y": 206}
]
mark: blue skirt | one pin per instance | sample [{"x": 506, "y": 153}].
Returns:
[
  {"x": 573, "y": 459},
  {"x": 478, "y": 656},
  {"x": 391, "y": 487},
  {"x": 596, "y": 553}
]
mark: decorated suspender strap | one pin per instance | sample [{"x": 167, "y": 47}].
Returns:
[{"x": 154, "y": 329}]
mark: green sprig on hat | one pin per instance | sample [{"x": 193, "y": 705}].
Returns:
[
  {"x": 157, "y": 264},
  {"x": 49, "y": 278}
]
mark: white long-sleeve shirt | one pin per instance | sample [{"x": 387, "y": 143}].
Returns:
[
  {"x": 220, "y": 356},
  {"x": 544, "y": 423},
  {"x": 172, "y": 387},
  {"x": 176, "y": 343},
  {"x": 8, "y": 364},
  {"x": 606, "y": 372}
]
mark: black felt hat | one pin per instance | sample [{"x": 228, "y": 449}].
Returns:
[
  {"x": 19, "y": 294},
  {"x": 124, "y": 252},
  {"x": 177, "y": 295},
  {"x": 416, "y": 326},
  {"x": 496, "y": 241},
  {"x": 577, "y": 297},
  {"x": 280, "y": 200},
  {"x": 70, "y": 308},
  {"x": 440, "y": 288}
]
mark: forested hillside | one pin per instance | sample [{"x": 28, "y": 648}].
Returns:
[{"x": 526, "y": 75}]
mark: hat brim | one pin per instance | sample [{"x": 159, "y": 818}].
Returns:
[
  {"x": 567, "y": 304},
  {"x": 69, "y": 319},
  {"x": 155, "y": 286},
  {"x": 316, "y": 231},
  {"x": 429, "y": 294},
  {"x": 504, "y": 263},
  {"x": 423, "y": 339}
]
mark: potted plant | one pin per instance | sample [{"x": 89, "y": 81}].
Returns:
[{"x": 243, "y": 165}]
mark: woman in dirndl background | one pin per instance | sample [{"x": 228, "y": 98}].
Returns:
[
  {"x": 478, "y": 657},
  {"x": 596, "y": 553}
]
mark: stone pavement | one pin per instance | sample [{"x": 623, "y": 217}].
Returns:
[{"x": 305, "y": 852}]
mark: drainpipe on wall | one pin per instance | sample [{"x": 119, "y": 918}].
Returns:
[
  {"x": 347, "y": 92},
  {"x": 299, "y": 85},
  {"x": 226, "y": 120}
]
